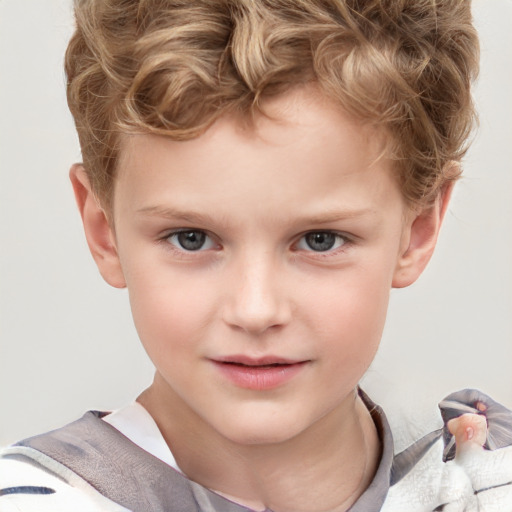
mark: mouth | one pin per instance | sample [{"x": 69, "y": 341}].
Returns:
[
  {"x": 257, "y": 361},
  {"x": 262, "y": 373}
]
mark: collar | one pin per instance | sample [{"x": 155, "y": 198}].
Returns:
[{"x": 132, "y": 477}]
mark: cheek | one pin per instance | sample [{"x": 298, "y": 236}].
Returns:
[
  {"x": 359, "y": 299},
  {"x": 349, "y": 315},
  {"x": 170, "y": 310}
]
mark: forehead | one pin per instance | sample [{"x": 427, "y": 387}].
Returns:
[
  {"x": 302, "y": 115},
  {"x": 302, "y": 141}
]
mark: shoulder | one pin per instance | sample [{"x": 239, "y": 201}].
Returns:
[
  {"x": 31, "y": 481},
  {"x": 464, "y": 465},
  {"x": 89, "y": 462}
]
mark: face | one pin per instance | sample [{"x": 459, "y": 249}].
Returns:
[{"x": 259, "y": 263}]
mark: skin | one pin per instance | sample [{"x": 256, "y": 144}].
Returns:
[
  {"x": 470, "y": 431},
  {"x": 257, "y": 288}
]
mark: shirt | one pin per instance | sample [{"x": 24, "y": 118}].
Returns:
[{"x": 120, "y": 462}]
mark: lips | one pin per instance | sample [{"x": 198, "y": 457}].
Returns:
[
  {"x": 256, "y": 361},
  {"x": 262, "y": 373}
]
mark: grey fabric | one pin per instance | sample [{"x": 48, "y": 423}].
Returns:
[
  {"x": 473, "y": 401},
  {"x": 116, "y": 467},
  {"x": 373, "y": 498},
  {"x": 405, "y": 461},
  {"x": 126, "y": 474}
]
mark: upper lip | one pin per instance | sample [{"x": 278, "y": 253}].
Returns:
[{"x": 256, "y": 361}]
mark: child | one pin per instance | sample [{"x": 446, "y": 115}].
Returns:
[{"x": 259, "y": 175}]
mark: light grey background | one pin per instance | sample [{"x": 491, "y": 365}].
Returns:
[{"x": 67, "y": 343}]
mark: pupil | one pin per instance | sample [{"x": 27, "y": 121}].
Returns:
[
  {"x": 321, "y": 241},
  {"x": 191, "y": 240}
]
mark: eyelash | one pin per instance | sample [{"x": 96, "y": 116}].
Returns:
[
  {"x": 180, "y": 249},
  {"x": 341, "y": 239}
]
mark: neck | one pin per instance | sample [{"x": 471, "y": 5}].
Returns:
[{"x": 325, "y": 468}]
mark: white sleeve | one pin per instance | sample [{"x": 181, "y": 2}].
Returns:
[{"x": 32, "y": 482}]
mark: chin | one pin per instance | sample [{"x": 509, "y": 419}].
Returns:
[{"x": 261, "y": 430}]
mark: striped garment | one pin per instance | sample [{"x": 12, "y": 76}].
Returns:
[{"x": 90, "y": 466}]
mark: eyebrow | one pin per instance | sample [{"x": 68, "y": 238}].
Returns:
[
  {"x": 337, "y": 215},
  {"x": 326, "y": 217},
  {"x": 173, "y": 213}
]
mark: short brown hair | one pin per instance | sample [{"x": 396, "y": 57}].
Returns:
[{"x": 175, "y": 66}]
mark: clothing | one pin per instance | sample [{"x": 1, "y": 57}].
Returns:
[
  {"x": 135, "y": 423},
  {"x": 112, "y": 473}
]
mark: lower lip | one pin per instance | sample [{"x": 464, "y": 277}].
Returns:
[{"x": 259, "y": 377}]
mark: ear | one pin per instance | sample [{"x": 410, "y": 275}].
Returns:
[
  {"x": 419, "y": 239},
  {"x": 98, "y": 232}
]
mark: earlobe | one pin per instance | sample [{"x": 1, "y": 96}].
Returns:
[
  {"x": 419, "y": 239},
  {"x": 98, "y": 231}
]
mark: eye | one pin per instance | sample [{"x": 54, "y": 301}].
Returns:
[
  {"x": 191, "y": 240},
  {"x": 321, "y": 241}
]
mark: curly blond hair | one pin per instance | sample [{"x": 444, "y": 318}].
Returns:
[{"x": 173, "y": 67}]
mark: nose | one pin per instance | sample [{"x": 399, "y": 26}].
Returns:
[{"x": 257, "y": 299}]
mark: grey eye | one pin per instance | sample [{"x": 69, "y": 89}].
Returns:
[
  {"x": 320, "y": 241},
  {"x": 193, "y": 240}
]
